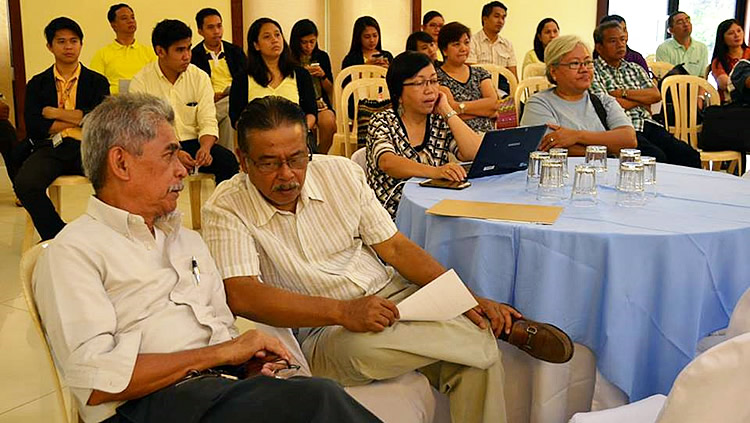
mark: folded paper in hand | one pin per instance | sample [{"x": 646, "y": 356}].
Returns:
[{"x": 444, "y": 298}]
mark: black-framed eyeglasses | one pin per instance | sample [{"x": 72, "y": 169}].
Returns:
[
  {"x": 422, "y": 83},
  {"x": 269, "y": 166},
  {"x": 576, "y": 65}
]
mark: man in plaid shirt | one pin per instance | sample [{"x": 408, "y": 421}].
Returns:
[{"x": 635, "y": 92}]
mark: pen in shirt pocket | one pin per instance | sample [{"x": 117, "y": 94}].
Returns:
[
  {"x": 192, "y": 104},
  {"x": 196, "y": 270}
]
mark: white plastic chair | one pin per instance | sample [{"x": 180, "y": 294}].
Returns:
[
  {"x": 659, "y": 69},
  {"x": 345, "y": 140},
  {"x": 495, "y": 72},
  {"x": 526, "y": 88},
  {"x": 712, "y": 388},
  {"x": 534, "y": 69}
]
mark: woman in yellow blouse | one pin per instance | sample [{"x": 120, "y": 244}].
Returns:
[{"x": 546, "y": 31}]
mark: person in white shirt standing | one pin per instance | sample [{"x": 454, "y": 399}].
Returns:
[
  {"x": 134, "y": 306},
  {"x": 189, "y": 91},
  {"x": 487, "y": 46}
]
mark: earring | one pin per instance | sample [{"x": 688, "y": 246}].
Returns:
[{"x": 400, "y": 109}]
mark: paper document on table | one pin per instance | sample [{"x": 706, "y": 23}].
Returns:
[
  {"x": 444, "y": 298},
  {"x": 508, "y": 212}
]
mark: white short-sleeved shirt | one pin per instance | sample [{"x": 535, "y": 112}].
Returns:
[
  {"x": 107, "y": 290},
  {"x": 323, "y": 249},
  {"x": 500, "y": 52}
]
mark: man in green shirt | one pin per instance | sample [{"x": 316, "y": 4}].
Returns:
[{"x": 682, "y": 48}]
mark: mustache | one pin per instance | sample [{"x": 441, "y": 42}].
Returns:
[
  {"x": 176, "y": 187},
  {"x": 289, "y": 186}
]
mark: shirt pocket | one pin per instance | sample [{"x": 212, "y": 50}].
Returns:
[{"x": 188, "y": 112}]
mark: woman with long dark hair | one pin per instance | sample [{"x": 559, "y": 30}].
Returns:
[
  {"x": 271, "y": 71},
  {"x": 546, "y": 31},
  {"x": 303, "y": 43},
  {"x": 366, "y": 47},
  {"x": 730, "y": 47}
]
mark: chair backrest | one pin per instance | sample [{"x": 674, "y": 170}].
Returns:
[
  {"x": 360, "y": 157},
  {"x": 354, "y": 72},
  {"x": 370, "y": 88},
  {"x": 534, "y": 69},
  {"x": 713, "y": 387},
  {"x": 28, "y": 261},
  {"x": 651, "y": 58},
  {"x": 683, "y": 91},
  {"x": 739, "y": 322},
  {"x": 526, "y": 88},
  {"x": 495, "y": 72},
  {"x": 659, "y": 69}
]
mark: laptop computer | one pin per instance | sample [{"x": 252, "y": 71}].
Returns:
[{"x": 505, "y": 151}]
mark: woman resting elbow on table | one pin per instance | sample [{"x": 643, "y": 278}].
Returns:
[
  {"x": 416, "y": 135},
  {"x": 568, "y": 108}
]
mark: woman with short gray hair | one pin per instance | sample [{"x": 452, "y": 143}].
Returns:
[{"x": 576, "y": 118}]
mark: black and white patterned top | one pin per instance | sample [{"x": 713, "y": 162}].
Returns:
[
  {"x": 386, "y": 134},
  {"x": 468, "y": 91}
]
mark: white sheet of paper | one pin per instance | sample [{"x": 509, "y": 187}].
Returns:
[{"x": 444, "y": 298}]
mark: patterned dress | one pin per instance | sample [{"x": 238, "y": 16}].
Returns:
[
  {"x": 386, "y": 134},
  {"x": 468, "y": 91}
]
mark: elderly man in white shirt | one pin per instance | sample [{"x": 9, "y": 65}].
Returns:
[
  {"x": 133, "y": 304},
  {"x": 487, "y": 46},
  {"x": 189, "y": 91},
  {"x": 303, "y": 243}
]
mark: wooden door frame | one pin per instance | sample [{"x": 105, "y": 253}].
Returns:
[{"x": 19, "y": 64}]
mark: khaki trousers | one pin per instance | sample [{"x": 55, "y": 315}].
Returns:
[
  {"x": 460, "y": 359},
  {"x": 226, "y": 134}
]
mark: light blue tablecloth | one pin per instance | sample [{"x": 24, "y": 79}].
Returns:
[{"x": 639, "y": 286}]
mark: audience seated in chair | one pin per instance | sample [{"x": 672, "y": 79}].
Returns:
[
  {"x": 56, "y": 102},
  {"x": 423, "y": 42},
  {"x": 120, "y": 60},
  {"x": 432, "y": 23},
  {"x": 8, "y": 141},
  {"x": 188, "y": 90},
  {"x": 634, "y": 90},
  {"x": 469, "y": 89},
  {"x": 546, "y": 31},
  {"x": 223, "y": 62},
  {"x": 570, "y": 110},
  {"x": 305, "y": 50},
  {"x": 631, "y": 55},
  {"x": 729, "y": 49},
  {"x": 135, "y": 309},
  {"x": 682, "y": 48},
  {"x": 272, "y": 72},
  {"x": 315, "y": 234},
  {"x": 416, "y": 135},
  {"x": 487, "y": 46}
]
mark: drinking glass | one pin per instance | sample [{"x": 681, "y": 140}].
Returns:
[
  {"x": 630, "y": 155},
  {"x": 561, "y": 155},
  {"x": 584, "y": 186},
  {"x": 649, "y": 175},
  {"x": 535, "y": 169},
  {"x": 597, "y": 156},
  {"x": 551, "y": 185},
  {"x": 630, "y": 188}
]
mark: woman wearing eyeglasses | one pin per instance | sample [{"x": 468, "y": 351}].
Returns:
[
  {"x": 415, "y": 137},
  {"x": 570, "y": 110},
  {"x": 468, "y": 89}
]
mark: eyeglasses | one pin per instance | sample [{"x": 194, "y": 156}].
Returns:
[
  {"x": 422, "y": 83},
  {"x": 576, "y": 65},
  {"x": 270, "y": 166},
  {"x": 285, "y": 372}
]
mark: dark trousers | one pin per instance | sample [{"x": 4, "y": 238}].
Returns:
[
  {"x": 257, "y": 399},
  {"x": 655, "y": 141},
  {"x": 8, "y": 140},
  {"x": 224, "y": 164},
  {"x": 37, "y": 173}
]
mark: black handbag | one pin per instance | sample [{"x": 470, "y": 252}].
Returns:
[{"x": 725, "y": 128}]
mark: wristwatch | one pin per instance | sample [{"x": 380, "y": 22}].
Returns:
[
  {"x": 462, "y": 107},
  {"x": 624, "y": 94},
  {"x": 450, "y": 115}
]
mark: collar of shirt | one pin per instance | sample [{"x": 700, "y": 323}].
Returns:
[
  {"x": 212, "y": 55},
  {"x": 263, "y": 210},
  {"x": 75, "y": 75},
  {"x": 164, "y": 77},
  {"x": 132, "y": 225},
  {"x": 119, "y": 46},
  {"x": 603, "y": 63},
  {"x": 483, "y": 38},
  {"x": 677, "y": 46}
]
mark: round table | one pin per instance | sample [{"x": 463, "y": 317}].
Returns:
[{"x": 639, "y": 286}]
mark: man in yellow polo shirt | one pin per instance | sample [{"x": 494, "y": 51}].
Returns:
[
  {"x": 223, "y": 62},
  {"x": 124, "y": 57}
]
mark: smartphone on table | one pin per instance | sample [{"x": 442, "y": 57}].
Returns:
[{"x": 445, "y": 183}]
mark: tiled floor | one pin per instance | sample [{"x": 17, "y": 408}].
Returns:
[{"x": 26, "y": 384}]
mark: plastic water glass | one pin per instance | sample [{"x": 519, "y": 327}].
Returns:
[
  {"x": 534, "y": 170},
  {"x": 561, "y": 155},
  {"x": 630, "y": 188},
  {"x": 630, "y": 155},
  {"x": 596, "y": 155},
  {"x": 649, "y": 175},
  {"x": 584, "y": 192},
  {"x": 551, "y": 184}
]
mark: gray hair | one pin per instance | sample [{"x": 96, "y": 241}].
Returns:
[
  {"x": 127, "y": 121},
  {"x": 599, "y": 31},
  {"x": 558, "y": 48}
]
